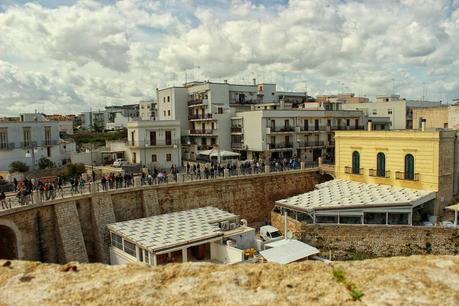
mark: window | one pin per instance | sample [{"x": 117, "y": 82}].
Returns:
[
  {"x": 3, "y": 138},
  {"x": 129, "y": 248},
  {"x": 147, "y": 257},
  {"x": 168, "y": 99},
  {"x": 140, "y": 254},
  {"x": 48, "y": 151},
  {"x": 168, "y": 112},
  {"x": 374, "y": 112},
  {"x": 117, "y": 241},
  {"x": 220, "y": 110},
  {"x": 389, "y": 111},
  {"x": 154, "y": 159},
  {"x": 409, "y": 167},
  {"x": 164, "y": 99},
  {"x": 355, "y": 162},
  {"x": 152, "y": 138},
  {"x": 381, "y": 164},
  {"x": 47, "y": 135},
  {"x": 134, "y": 157},
  {"x": 348, "y": 122},
  {"x": 168, "y": 157},
  {"x": 27, "y": 133}
]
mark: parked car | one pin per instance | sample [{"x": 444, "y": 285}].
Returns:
[
  {"x": 447, "y": 224},
  {"x": 427, "y": 223},
  {"x": 270, "y": 233},
  {"x": 118, "y": 162}
]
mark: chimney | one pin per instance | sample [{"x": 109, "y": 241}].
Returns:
[
  {"x": 423, "y": 124},
  {"x": 370, "y": 125},
  {"x": 254, "y": 81},
  {"x": 225, "y": 81}
]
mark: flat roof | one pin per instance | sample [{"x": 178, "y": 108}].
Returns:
[
  {"x": 167, "y": 231},
  {"x": 288, "y": 250},
  {"x": 344, "y": 194}
]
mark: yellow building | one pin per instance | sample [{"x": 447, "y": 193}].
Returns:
[{"x": 405, "y": 158}]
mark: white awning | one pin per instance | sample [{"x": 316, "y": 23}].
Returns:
[
  {"x": 287, "y": 250},
  {"x": 216, "y": 153}
]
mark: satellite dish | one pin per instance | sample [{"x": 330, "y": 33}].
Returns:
[{"x": 289, "y": 234}]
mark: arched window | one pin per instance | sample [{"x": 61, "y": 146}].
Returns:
[
  {"x": 381, "y": 165},
  {"x": 355, "y": 162},
  {"x": 409, "y": 167}
]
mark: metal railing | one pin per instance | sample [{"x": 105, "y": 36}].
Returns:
[
  {"x": 238, "y": 145},
  {"x": 14, "y": 200},
  {"x": 236, "y": 130},
  {"x": 199, "y": 116},
  {"x": 285, "y": 129},
  {"x": 199, "y": 132},
  {"x": 158, "y": 143},
  {"x": 284, "y": 145},
  {"x": 306, "y": 144},
  {"x": 376, "y": 173},
  {"x": 403, "y": 176},
  {"x": 196, "y": 102},
  {"x": 350, "y": 170}
]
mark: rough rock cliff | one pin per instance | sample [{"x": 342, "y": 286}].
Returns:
[{"x": 416, "y": 280}]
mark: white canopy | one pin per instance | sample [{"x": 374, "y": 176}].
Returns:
[
  {"x": 216, "y": 153},
  {"x": 287, "y": 250}
]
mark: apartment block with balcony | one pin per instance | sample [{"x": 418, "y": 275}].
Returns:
[
  {"x": 413, "y": 159},
  {"x": 28, "y": 141},
  {"x": 154, "y": 143},
  {"x": 307, "y": 134}
]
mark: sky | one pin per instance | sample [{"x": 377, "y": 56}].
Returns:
[{"x": 64, "y": 56}]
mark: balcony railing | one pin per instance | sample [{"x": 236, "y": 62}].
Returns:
[
  {"x": 306, "y": 144},
  {"x": 402, "y": 176},
  {"x": 50, "y": 142},
  {"x": 311, "y": 128},
  {"x": 286, "y": 129},
  {"x": 238, "y": 146},
  {"x": 199, "y": 116},
  {"x": 158, "y": 143},
  {"x": 7, "y": 145},
  {"x": 202, "y": 132},
  {"x": 346, "y": 128},
  {"x": 281, "y": 145},
  {"x": 349, "y": 170},
  {"x": 197, "y": 102},
  {"x": 236, "y": 130},
  {"x": 28, "y": 144},
  {"x": 246, "y": 101},
  {"x": 375, "y": 173}
]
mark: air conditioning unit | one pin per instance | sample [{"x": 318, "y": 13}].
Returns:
[
  {"x": 225, "y": 225},
  {"x": 233, "y": 226},
  {"x": 243, "y": 222}
]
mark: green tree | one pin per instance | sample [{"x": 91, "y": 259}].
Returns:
[
  {"x": 45, "y": 163},
  {"x": 18, "y": 166}
]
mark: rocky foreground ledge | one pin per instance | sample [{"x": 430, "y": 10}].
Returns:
[{"x": 416, "y": 280}]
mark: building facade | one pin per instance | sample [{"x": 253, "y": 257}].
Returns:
[
  {"x": 154, "y": 143},
  {"x": 390, "y": 112},
  {"x": 306, "y": 134},
  {"x": 29, "y": 141},
  {"x": 444, "y": 116},
  {"x": 148, "y": 110},
  {"x": 413, "y": 159}
]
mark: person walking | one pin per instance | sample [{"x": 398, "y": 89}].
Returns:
[{"x": 3, "y": 200}]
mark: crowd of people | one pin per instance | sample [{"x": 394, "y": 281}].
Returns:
[{"x": 50, "y": 189}]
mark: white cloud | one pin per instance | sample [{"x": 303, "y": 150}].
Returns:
[{"x": 98, "y": 54}]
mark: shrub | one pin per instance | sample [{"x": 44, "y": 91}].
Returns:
[
  {"x": 18, "y": 166},
  {"x": 71, "y": 170},
  {"x": 45, "y": 163}
]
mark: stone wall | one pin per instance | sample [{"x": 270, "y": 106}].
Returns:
[
  {"x": 75, "y": 229},
  {"x": 365, "y": 241}
]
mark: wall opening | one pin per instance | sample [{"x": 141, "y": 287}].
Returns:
[{"x": 8, "y": 243}]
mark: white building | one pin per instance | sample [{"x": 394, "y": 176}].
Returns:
[
  {"x": 204, "y": 110},
  {"x": 154, "y": 143},
  {"x": 307, "y": 134},
  {"x": 390, "y": 111},
  {"x": 29, "y": 141},
  {"x": 148, "y": 110},
  {"x": 201, "y": 234},
  {"x": 349, "y": 202}
]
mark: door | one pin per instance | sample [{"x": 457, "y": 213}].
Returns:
[
  {"x": 168, "y": 138},
  {"x": 152, "y": 138}
]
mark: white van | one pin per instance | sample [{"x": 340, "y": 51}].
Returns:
[{"x": 270, "y": 233}]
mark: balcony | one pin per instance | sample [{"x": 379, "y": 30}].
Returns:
[
  {"x": 7, "y": 145},
  {"x": 280, "y": 146},
  {"x": 349, "y": 170},
  {"x": 203, "y": 132},
  {"x": 374, "y": 173},
  {"x": 236, "y": 130},
  {"x": 195, "y": 117},
  {"x": 157, "y": 144},
  {"x": 245, "y": 101},
  {"x": 286, "y": 129},
  {"x": 314, "y": 129},
  {"x": 195, "y": 102},
  {"x": 402, "y": 176},
  {"x": 50, "y": 142},
  {"x": 238, "y": 146},
  {"x": 309, "y": 144}
]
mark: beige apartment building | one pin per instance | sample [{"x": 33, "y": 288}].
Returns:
[
  {"x": 390, "y": 112},
  {"x": 306, "y": 134},
  {"x": 444, "y": 116},
  {"x": 205, "y": 109}
]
